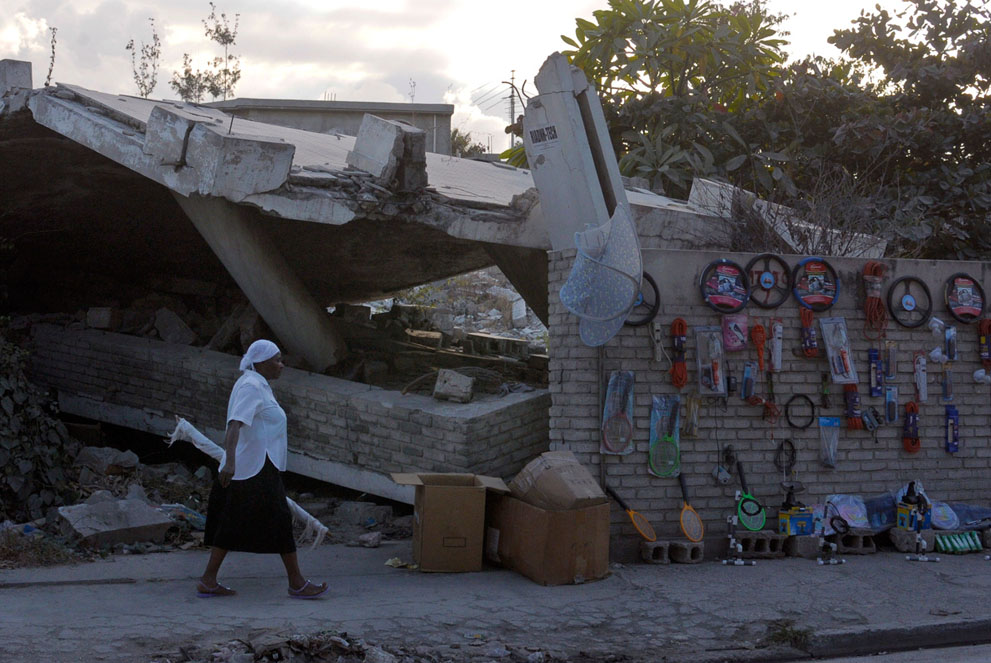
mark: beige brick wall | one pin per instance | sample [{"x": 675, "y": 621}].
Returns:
[
  {"x": 143, "y": 382},
  {"x": 864, "y": 467}
]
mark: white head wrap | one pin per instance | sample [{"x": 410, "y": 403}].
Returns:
[{"x": 258, "y": 351}]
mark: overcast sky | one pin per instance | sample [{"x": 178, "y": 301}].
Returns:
[{"x": 455, "y": 51}]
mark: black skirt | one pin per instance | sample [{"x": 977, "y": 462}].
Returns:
[{"x": 250, "y": 515}]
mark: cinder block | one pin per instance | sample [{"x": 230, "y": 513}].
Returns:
[
  {"x": 14, "y": 73},
  {"x": 655, "y": 552},
  {"x": 802, "y": 546},
  {"x": 686, "y": 552},
  {"x": 764, "y": 544},
  {"x": 986, "y": 538},
  {"x": 854, "y": 542}
]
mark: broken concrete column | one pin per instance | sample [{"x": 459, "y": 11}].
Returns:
[
  {"x": 453, "y": 386},
  {"x": 392, "y": 152},
  {"x": 14, "y": 74},
  {"x": 107, "y": 522},
  {"x": 266, "y": 278}
]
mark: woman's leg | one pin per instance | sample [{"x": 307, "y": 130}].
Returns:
[
  {"x": 296, "y": 578},
  {"x": 209, "y": 577}
]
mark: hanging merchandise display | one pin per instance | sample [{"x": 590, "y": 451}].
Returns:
[
  {"x": 909, "y": 301},
  {"x": 810, "y": 343},
  {"x": 709, "y": 361},
  {"x": 910, "y": 430},
  {"x": 952, "y": 429},
  {"x": 964, "y": 298},
  {"x": 724, "y": 286},
  {"x": 759, "y": 336},
  {"x": 829, "y": 436},
  {"x": 871, "y": 420},
  {"x": 890, "y": 404},
  {"x": 919, "y": 375},
  {"x": 950, "y": 343},
  {"x": 890, "y": 360},
  {"x": 735, "y": 332},
  {"x": 838, "y": 351},
  {"x": 875, "y": 374},
  {"x": 679, "y": 336},
  {"x": 824, "y": 400},
  {"x": 984, "y": 341},
  {"x": 946, "y": 383},
  {"x": 690, "y": 416},
  {"x": 770, "y": 280},
  {"x": 815, "y": 284},
  {"x": 647, "y": 303},
  {"x": 749, "y": 387},
  {"x": 664, "y": 456},
  {"x": 876, "y": 316},
  {"x": 851, "y": 401},
  {"x": 617, "y": 416},
  {"x": 777, "y": 336}
]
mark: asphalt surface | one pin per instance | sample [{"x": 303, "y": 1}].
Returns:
[{"x": 130, "y": 608}]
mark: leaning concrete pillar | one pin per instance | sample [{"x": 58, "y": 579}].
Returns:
[{"x": 263, "y": 274}]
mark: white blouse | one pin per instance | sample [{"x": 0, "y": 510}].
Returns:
[{"x": 264, "y": 431}]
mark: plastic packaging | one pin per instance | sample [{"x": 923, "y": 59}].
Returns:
[
  {"x": 709, "y": 361},
  {"x": 735, "y": 332},
  {"x": 829, "y": 435},
  {"x": 777, "y": 336},
  {"x": 841, "y": 364}
]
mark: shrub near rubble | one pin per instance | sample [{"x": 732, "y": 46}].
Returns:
[{"x": 35, "y": 448}]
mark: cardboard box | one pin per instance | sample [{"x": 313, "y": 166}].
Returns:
[
  {"x": 548, "y": 547},
  {"x": 796, "y": 521},
  {"x": 556, "y": 480},
  {"x": 449, "y": 519}
]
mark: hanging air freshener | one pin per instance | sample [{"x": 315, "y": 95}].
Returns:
[
  {"x": 964, "y": 298},
  {"x": 777, "y": 335},
  {"x": 735, "y": 332},
  {"x": 724, "y": 286},
  {"x": 829, "y": 436},
  {"x": 952, "y": 429}
]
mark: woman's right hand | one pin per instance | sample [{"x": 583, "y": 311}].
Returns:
[{"x": 227, "y": 472}]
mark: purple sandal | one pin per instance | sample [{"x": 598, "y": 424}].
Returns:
[{"x": 306, "y": 591}]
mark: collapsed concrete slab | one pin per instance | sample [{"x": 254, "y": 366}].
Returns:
[{"x": 108, "y": 522}]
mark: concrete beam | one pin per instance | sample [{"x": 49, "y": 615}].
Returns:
[
  {"x": 267, "y": 279},
  {"x": 14, "y": 74},
  {"x": 205, "y": 158},
  {"x": 392, "y": 152}
]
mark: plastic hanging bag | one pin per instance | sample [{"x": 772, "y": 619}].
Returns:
[
  {"x": 838, "y": 350},
  {"x": 617, "y": 416},
  {"x": 664, "y": 456},
  {"x": 829, "y": 435},
  {"x": 709, "y": 361},
  {"x": 850, "y": 508}
]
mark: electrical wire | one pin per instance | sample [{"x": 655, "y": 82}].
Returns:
[
  {"x": 759, "y": 336},
  {"x": 788, "y": 411},
  {"x": 785, "y": 456},
  {"x": 876, "y": 314}
]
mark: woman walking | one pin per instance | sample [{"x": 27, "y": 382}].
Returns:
[{"x": 247, "y": 511}]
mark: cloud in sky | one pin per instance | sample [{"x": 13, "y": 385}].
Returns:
[{"x": 306, "y": 49}]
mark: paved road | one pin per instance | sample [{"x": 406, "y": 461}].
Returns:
[{"x": 130, "y": 607}]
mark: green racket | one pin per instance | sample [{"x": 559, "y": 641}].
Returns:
[
  {"x": 748, "y": 509},
  {"x": 665, "y": 457}
]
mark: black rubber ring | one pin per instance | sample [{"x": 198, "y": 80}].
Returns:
[{"x": 812, "y": 407}]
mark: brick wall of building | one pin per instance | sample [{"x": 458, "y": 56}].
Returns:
[
  {"x": 864, "y": 467},
  {"x": 142, "y": 383}
]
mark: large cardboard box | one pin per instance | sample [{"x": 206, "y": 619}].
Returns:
[
  {"x": 549, "y": 547},
  {"x": 449, "y": 519},
  {"x": 557, "y": 480}
]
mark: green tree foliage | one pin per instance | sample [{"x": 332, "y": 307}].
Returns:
[
  {"x": 225, "y": 71},
  {"x": 461, "y": 145},
  {"x": 145, "y": 67},
  {"x": 892, "y": 138}
]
